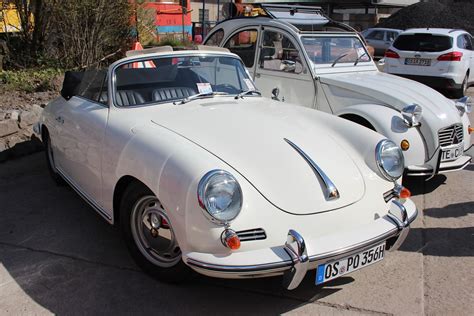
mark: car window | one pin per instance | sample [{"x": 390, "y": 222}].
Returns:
[
  {"x": 468, "y": 42},
  {"x": 244, "y": 44},
  {"x": 391, "y": 36},
  {"x": 461, "y": 41},
  {"x": 215, "y": 38},
  {"x": 166, "y": 79},
  {"x": 423, "y": 42},
  {"x": 375, "y": 35},
  {"x": 326, "y": 49},
  {"x": 279, "y": 53}
]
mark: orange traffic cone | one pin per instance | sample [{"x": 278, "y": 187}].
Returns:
[{"x": 142, "y": 64}]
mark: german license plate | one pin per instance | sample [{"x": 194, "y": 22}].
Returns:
[
  {"x": 418, "y": 61},
  {"x": 452, "y": 153},
  {"x": 335, "y": 269}
]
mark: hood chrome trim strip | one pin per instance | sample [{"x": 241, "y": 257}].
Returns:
[{"x": 331, "y": 191}]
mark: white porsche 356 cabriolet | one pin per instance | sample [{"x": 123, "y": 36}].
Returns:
[
  {"x": 299, "y": 55},
  {"x": 200, "y": 171}
]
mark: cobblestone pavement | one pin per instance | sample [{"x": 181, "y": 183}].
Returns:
[{"x": 58, "y": 256}]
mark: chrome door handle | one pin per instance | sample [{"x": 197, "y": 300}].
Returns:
[{"x": 60, "y": 120}]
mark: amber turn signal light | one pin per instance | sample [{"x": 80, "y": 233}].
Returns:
[
  {"x": 470, "y": 129},
  {"x": 404, "y": 145},
  {"x": 230, "y": 239},
  {"x": 405, "y": 193}
]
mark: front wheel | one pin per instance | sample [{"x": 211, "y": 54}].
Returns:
[
  {"x": 149, "y": 235},
  {"x": 459, "y": 93}
]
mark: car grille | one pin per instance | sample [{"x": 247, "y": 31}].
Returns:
[
  {"x": 252, "y": 234},
  {"x": 390, "y": 195},
  {"x": 451, "y": 135}
]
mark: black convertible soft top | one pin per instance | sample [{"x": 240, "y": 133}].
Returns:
[{"x": 84, "y": 83}]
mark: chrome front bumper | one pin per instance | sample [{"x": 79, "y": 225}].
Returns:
[
  {"x": 442, "y": 167},
  {"x": 294, "y": 259}
]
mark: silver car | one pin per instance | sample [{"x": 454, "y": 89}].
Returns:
[{"x": 380, "y": 39}]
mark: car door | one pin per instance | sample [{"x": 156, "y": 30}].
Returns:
[
  {"x": 83, "y": 121},
  {"x": 280, "y": 67}
]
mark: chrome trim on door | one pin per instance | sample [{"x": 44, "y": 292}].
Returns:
[{"x": 331, "y": 190}]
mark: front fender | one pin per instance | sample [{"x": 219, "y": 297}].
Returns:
[
  {"x": 389, "y": 123},
  {"x": 171, "y": 166}
]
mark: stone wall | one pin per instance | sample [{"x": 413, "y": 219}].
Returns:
[{"x": 16, "y": 132}]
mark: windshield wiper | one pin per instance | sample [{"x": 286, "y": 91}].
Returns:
[
  {"x": 359, "y": 58},
  {"x": 241, "y": 94},
  {"x": 198, "y": 96},
  {"x": 339, "y": 58}
]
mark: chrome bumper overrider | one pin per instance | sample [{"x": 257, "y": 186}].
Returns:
[{"x": 295, "y": 268}]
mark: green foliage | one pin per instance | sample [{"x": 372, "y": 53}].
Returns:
[
  {"x": 30, "y": 80},
  {"x": 174, "y": 42},
  {"x": 70, "y": 33},
  {"x": 145, "y": 26}
]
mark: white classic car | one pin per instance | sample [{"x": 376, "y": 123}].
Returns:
[
  {"x": 301, "y": 56},
  {"x": 200, "y": 171}
]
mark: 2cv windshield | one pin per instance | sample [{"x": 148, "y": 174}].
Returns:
[
  {"x": 168, "y": 79},
  {"x": 332, "y": 51}
]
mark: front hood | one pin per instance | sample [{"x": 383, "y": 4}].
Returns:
[
  {"x": 398, "y": 92},
  {"x": 249, "y": 136}
]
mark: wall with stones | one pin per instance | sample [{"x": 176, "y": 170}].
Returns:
[{"x": 16, "y": 132}]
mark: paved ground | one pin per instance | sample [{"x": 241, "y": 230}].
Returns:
[{"x": 58, "y": 256}]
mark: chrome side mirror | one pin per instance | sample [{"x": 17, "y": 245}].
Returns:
[
  {"x": 464, "y": 105},
  {"x": 412, "y": 115},
  {"x": 275, "y": 93}
]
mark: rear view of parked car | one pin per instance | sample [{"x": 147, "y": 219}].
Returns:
[
  {"x": 440, "y": 58},
  {"x": 380, "y": 39}
]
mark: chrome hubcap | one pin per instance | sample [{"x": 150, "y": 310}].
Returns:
[{"x": 153, "y": 234}]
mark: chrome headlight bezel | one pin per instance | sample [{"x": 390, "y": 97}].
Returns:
[
  {"x": 463, "y": 105},
  {"x": 382, "y": 145},
  {"x": 207, "y": 207},
  {"x": 412, "y": 115}
]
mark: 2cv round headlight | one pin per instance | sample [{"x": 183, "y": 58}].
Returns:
[
  {"x": 220, "y": 196},
  {"x": 389, "y": 159}
]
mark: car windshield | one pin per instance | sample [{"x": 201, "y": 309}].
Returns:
[
  {"x": 423, "y": 43},
  {"x": 333, "y": 51},
  {"x": 169, "y": 79}
]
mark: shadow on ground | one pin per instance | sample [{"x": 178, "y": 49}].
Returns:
[
  {"x": 440, "y": 242},
  {"x": 420, "y": 185},
  {"x": 452, "y": 210},
  {"x": 68, "y": 260}
]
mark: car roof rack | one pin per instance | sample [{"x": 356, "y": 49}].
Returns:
[{"x": 303, "y": 18}]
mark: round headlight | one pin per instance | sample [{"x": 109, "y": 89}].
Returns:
[
  {"x": 220, "y": 196},
  {"x": 389, "y": 159},
  {"x": 412, "y": 115}
]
